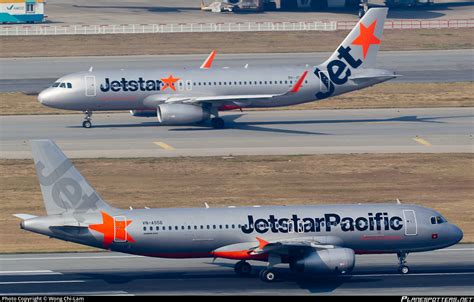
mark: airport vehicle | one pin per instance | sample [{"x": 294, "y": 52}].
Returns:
[
  {"x": 21, "y": 11},
  {"x": 319, "y": 239},
  {"x": 185, "y": 96},
  {"x": 270, "y": 5}
]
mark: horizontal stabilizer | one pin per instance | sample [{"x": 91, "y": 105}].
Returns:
[{"x": 24, "y": 216}]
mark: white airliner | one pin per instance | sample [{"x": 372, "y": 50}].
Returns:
[{"x": 185, "y": 96}]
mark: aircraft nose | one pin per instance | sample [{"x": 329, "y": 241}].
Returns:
[
  {"x": 457, "y": 233},
  {"x": 43, "y": 97}
]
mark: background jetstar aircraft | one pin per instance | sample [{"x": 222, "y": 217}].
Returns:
[
  {"x": 184, "y": 96},
  {"x": 312, "y": 239}
]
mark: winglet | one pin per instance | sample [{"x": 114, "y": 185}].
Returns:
[
  {"x": 261, "y": 243},
  {"x": 208, "y": 62},
  {"x": 299, "y": 83}
]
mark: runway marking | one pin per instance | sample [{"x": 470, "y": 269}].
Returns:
[
  {"x": 136, "y": 256},
  {"x": 422, "y": 141},
  {"x": 66, "y": 258},
  {"x": 42, "y": 282},
  {"x": 38, "y": 272},
  {"x": 413, "y": 274},
  {"x": 164, "y": 146}
]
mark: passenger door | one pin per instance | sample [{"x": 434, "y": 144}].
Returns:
[
  {"x": 90, "y": 85},
  {"x": 411, "y": 228}
]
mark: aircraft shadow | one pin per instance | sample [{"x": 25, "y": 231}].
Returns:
[
  {"x": 153, "y": 9},
  {"x": 233, "y": 123}
]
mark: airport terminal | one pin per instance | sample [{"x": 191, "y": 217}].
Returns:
[{"x": 265, "y": 147}]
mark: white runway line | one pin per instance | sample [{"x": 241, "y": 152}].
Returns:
[
  {"x": 37, "y": 272},
  {"x": 67, "y": 258},
  {"x": 42, "y": 282},
  {"x": 413, "y": 274}
]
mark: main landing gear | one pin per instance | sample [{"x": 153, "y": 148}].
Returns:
[
  {"x": 87, "y": 119},
  {"x": 402, "y": 267},
  {"x": 217, "y": 123},
  {"x": 242, "y": 268}
]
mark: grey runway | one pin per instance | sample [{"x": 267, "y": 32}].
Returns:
[
  {"x": 34, "y": 74},
  {"x": 443, "y": 272},
  {"x": 434, "y": 130}
]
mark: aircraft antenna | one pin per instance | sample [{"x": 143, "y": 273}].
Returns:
[
  {"x": 91, "y": 68},
  {"x": 207, "y": 206},
  {"x": 398, "y": 201}
]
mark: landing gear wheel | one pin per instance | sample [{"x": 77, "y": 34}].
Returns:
[
  {"x": 267, "y": 275},
  {"x": 242, "y": 268},
  {"x": 86, "y": 124},
  {"x": 402, "y": 260},
  {"x": 404, "y": 269},
  {"x": 217, "y": 123}
]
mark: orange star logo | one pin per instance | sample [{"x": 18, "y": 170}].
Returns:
[
  {"x": 366, "y": 37},
  {"x": 112, "y": 229},
  {"x": 169, "y": 82}
]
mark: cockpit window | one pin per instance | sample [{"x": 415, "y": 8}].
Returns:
[
  {"x": 69, "y": 85},
  {"x": 63, "y": 85},
  {"x": 55, "y": 84},
  {"x": 438, "y": 220}
]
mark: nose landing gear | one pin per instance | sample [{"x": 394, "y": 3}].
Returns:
[
  {"x": 402, "y": 267},
  {"x": 87, "y": 119}
]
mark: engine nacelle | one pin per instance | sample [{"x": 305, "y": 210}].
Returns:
[
  {"x": 143, "y": 113},
  {"x": 326, "y": 261},
  {"x": 179, "y": 114}
]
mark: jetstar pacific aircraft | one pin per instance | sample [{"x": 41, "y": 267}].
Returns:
[
  {"x": 184, "y": 96},
  {"x": 311, "y": 239}
]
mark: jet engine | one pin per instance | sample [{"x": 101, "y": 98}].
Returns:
[
  {"x": 179, "y": 114},
  {"x": 143, "y": 113},
  {"x": 325, "y": 261}
]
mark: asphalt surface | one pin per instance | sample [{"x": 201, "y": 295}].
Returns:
[
  {"x": 444, "y": 272},
  {"x": 35, "y": 74},
  {"x": 67, "y": 12},
  {"x": 435, "y": 130}
]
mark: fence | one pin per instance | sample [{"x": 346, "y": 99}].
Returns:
[
  {"x": 41, "y": 29},
  {"x": 7, "y": 30},
  {"x": 415, "y": 24}
]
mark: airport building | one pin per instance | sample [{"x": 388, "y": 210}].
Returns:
[{"x": 21, "y": 11}]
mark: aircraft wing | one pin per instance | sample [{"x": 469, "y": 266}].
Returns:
[
  {"x": 236, "y": 98},
  {"x": 285, "y": 247},
  {"x": 253, "y": 250}
]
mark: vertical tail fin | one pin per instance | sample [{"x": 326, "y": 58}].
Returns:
[
  {"x": 363, "y": 42},
  {"x": 64, "y": 189}
]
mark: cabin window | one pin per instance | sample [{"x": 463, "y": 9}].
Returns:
[
  {"x": 306, "y": 82},
  {"x": 233, "y": 226},
  {"x": 208, "y": 227},
  {"x": 144, "y": 228},
  {"x": 30, "y": 8},
  {"x": 220, "y": 226},
  {"x": 182, "y": 227},
  {"x": 176, "y": 227},
  {"x": 286, "y": 82},
  {"x": 214, "y": 226}
]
